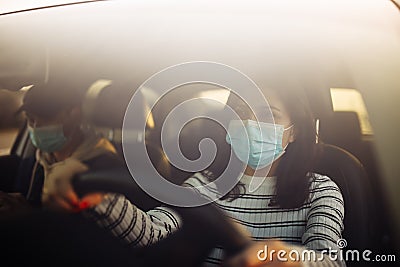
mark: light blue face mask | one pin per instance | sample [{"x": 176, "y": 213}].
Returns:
[
  {"x": 256, "y": 144},
  {"x": 48, "y": 138}
]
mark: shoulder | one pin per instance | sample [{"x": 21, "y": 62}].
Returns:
[
  {"x": 199, "y": 179},
  {"x": 319, "y": 181},
  {"x": 323, "y": 188},
  {"x": 203, "y": 184}
]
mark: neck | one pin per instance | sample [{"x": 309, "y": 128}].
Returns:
[{"x": 72, "y": 144}]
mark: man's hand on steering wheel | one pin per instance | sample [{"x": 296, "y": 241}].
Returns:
[{"x": 58, "y": 193}]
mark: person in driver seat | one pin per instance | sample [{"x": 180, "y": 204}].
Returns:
[
  {"x": 293, "y": 209},
  {"x": 64, "y": 145}
]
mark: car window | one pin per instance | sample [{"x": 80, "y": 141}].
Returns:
[
  {"x": 9, "y": 121},
  {"x": 348, "y": 99}
]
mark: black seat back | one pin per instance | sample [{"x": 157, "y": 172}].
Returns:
[
  {"x": 343, "y": 129},
  {"x": 349, "y": 174}
]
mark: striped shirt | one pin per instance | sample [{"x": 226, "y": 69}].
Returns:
[{"x": 316, "y": 225}]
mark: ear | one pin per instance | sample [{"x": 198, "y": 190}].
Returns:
[{"x": 292, "y": 134}]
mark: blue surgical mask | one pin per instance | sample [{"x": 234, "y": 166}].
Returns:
[
  {"x": 48, "y": 138},
  {"x": 257, "y": 144}
]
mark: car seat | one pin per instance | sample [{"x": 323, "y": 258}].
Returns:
[{"x": 349, "y": 174}]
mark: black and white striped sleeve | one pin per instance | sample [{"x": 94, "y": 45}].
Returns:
[
  {"x": 324, "y": 221},
  {"x": 134, "y": 226}
]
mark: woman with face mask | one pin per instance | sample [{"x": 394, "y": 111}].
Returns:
[
  {"x": 278, "y": 199},
  {"x": 297, "y": 209}
]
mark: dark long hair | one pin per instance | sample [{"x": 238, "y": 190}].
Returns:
[
  {"x": 295, "y": 167},
  {"x": 294, "y": 171}
]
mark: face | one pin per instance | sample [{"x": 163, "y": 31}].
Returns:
[
  {"x": 68, "y": 119},
  {"x": 281, "y": 116},
  {"x": 279, "y": 112}
]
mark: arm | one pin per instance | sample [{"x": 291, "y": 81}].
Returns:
[
  {"x": 324, "y": 222},
  {"x": 113, "y": 212},
  {"x": 323, "y": 229},
  {"x": 134, "y": 226}
]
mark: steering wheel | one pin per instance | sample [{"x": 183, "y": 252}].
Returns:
[
  {"x": 203, "y": 227},
  {"x": 51, "y": 238}
]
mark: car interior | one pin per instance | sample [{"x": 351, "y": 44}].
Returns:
[
  {"x": 347, "y": 140},
  {"x": 337, "y": 161}
]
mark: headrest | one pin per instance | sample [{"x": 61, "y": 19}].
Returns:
[
  {"x": 342, "y": 125},
  {"x": 106, "y": 102}
]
